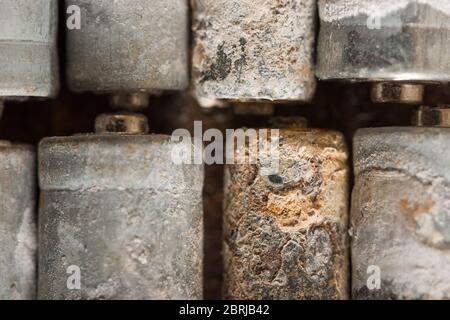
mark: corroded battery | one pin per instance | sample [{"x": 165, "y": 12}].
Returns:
[
  {"x": 399, "y": 42},
  {"x": 118, "y": 218},
  {"x": 286, "y": 233},
  {"x": 253, "y": 50},
  {"x": 400, "y": 214},
  {"x": 123, "y": 46},
  {"x": 18, "y": 235},
  {"x": 28, "y": 53}
]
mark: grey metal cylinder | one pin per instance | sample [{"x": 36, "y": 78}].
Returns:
[
  {"x": 18, "y": 234},
  {"x": 366, "y": 40},
  {"x": 401, "y": 214},
  {"x": 129, "y": 46},
  {"x": 28, "y": 53},
  {"x": 253, "y": 50},
  {"x": 286, "y": 233},
  {"x": 119, "y": 214}
]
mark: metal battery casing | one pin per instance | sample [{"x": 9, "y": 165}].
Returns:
[
  {"x": 129, "y": 47},
  {"x": 286, "y": 234},
  {"x": 253, "y": 50},
  {"x": 384, "y": 40},
  {"x": 18, "y": 234},
  {"x": 119, "y": 209},
  {"x": 28, "y": 48},
  {"x": 400, "y": 214}
]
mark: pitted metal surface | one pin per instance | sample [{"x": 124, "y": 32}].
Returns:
[
  {"x": 247, "y": 50},
  {"x": 367, "y": 40},
  {"x": 400, "y": 213},
  {"x": 129, "y": 47},
  {"x": 18, "y": 234},
  {"x": 117, "y": 207},
  {"x": 28, "y": 49},
  {"x": 286, "y": 234}
]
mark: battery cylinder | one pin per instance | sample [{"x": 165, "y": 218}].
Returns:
[
  {"x": 253, "y": 50},
  {"x": 120, "y": 214},
  {"x": 286, "y": 233},
  {"x": 129, "y": 46},
  {"x": 28, "y": 53},
  {"x": 18, "y": 235},
  {"x": 400, "y": 213},
  {"x": 401, "y": 42}
]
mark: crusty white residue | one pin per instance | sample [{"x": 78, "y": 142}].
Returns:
[{"x": 334, "y": 10}]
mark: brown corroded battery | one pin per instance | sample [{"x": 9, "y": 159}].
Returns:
[
  {"x": 286, "y": 232},
  {"x": 253, "y": 50}
]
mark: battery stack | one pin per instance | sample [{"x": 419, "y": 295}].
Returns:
[
  {"x": 284, "y": 237},
  {"x": 28, "y": 68},
  {"x": 114, "y": 204},
  {"x": 117, "y": 213},
  {"x": 399, "y": 208}
]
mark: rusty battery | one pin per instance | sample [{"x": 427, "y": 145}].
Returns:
[{"x": 286, "y": 232}]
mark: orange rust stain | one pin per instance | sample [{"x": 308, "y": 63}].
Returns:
[
  {"x": 415, "y": 208},
  {"x": 403, "y": 204}
]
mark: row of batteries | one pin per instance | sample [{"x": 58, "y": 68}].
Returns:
[{"x": 117, "y": 213}]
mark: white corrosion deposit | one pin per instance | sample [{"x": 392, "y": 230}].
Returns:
[
  {"x": 253, "y": 50},
  {"x": 333, "y": 10}
]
